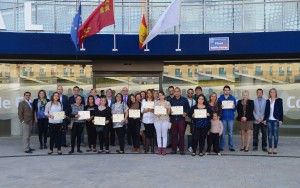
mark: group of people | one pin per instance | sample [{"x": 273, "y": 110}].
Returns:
[{"x": 150, "y": 118}]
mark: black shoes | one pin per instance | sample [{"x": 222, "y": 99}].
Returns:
[
  {"x": 28, "y": 151},
  {"x": 71, "y": 152},
  {"x": 79, "y": 151},
  {"x": 232, "y": 150}
]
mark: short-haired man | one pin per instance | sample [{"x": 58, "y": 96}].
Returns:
[
  {"x": 178, "y": 121},
  {"x": 227, "y": 117},
  {"x": 259, "y": 113},
  {"x": 25, "y": 115}
]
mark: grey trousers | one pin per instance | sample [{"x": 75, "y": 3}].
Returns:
[{"x": 26, "y": 135}]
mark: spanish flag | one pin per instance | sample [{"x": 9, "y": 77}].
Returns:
[
  {"x": 143, "y": 31},
  {"x": 101, "y": 17}
]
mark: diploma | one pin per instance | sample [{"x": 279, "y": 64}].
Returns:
[
  {"x": 99, "y": 120},
  {"x": 84, "y": 115},
  {"x": 200, "y": 113},
  {"x": 160, "y": 110},
  {"x": 227, "y": 105},
  {"x": 177, "y": 110},
  {"x": 117, "y": 118},
  {"x": 134, "y": 113},
  {"x": 58, "y": 115},
  {"x": 149, "y": 104}
]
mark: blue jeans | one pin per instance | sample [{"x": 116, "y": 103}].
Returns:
[
  {"x": 227, "y": 126},
  {"x": 273, "y": 129}
]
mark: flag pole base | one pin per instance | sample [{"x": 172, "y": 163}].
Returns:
[
  {"x": 82, "y": 49},
  {"x": 178, "y": 50},
  {"x": 147, "y": 50},
  {"x": 114, "y": 50}
]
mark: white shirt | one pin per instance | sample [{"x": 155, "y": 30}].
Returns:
[
  {"x": 272, "y": 103},
  {"x": 50, "y": 109},
  {"x": 192, "y": 102},
  {"x": 148, "y": 117}
]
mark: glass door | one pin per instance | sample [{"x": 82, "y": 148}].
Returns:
[{"x": 133, "y": 81}]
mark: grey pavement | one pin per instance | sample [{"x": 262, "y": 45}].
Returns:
[{"x": 237, "y": 169}]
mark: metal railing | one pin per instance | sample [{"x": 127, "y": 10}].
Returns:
[{"x": 197, "y": 16}]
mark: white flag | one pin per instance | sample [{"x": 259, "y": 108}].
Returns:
[{"x": 168, "y": 19}]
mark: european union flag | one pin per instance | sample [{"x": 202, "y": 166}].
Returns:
[{"x": 75, "y": 26}]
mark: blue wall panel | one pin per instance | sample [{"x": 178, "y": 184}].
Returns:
[{"x": 164, "y": 45}]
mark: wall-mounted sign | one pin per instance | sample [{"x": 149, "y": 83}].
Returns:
[{"x": 218, "y": 43}]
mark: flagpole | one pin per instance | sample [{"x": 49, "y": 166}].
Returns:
[
  {"x": 147, "y": 9},
  {"x": 179, "y": 30},
  {"x": 82, "y": 49},
  {"x": 115, "y": 42}
]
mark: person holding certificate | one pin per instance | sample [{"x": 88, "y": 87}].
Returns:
[
  {"x": 179, "y": 110},
  {"x": 245, "y": 108},
  {"x": 134, "y": 121},
  {"x": 228, "y": 108},
  {"x": 54, "y": 112},
  {"x": 78, "y": 124},
  {"x": 200, "y": 115},
  {"x": 102, "y": 122},
  {"x": 148, "y": 119},
  {"x": 120, "y": 114},
  {"x": 162, "y": 123},
  {"x": 90, "y": 127}
]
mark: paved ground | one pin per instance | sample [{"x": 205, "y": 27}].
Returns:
[{"x": 237, "y": 169}]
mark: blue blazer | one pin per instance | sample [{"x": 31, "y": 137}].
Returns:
[
  {"x": 66, "y": 105},
  {"x": 278, "y": 110}
]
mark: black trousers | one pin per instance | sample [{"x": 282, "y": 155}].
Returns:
[
  {"x": 103, "y": 137},
  {"x": 213, "y": 139},
  {"x": 199, "y": 137},
  {"x": 149, "y": 131},
  {"x": 121, "y": 136},
  {"x": 263, "y": 128},
  {"x": 134, "y": 126},
  {"x": 91, "y": 132},
  {"x": 112, "y": 134},
  {"x": 64, "y": 132},
  {"x": 76, "y": 132},
  {"x": 43, "y": 130},
  {"x": 55, "y": 135}
]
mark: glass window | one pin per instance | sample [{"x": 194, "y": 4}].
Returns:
[
  {"x": 190, "y": 73},
  {"x": 222, "y": 71},
  {"x": 258, "y": 71},
  {"x": 178, "y": 73},
  {"x": 281, "y": 71}
]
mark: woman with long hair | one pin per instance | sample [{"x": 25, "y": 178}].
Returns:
[
  {"x": 39, "y": 105},
  {"x": 55, "y": 126},
  {"x": 90, "y": 127},
  {"x": 273, "y": 118}
]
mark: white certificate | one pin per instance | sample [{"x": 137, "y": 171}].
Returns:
[
  {"x": 200, "y": 113},
  {"x": 177, "y": 110},
  {"x": 149, "y": 104},
  {"x": 99, "y": 120},
  {"x": 227, "y": 105},
  {"x": 117, "y": 118},
  {"x": 84, "y": 115},
  {"x": 160, "y": 110},
  {"x": 58, "y": 115},
  {"x": 134, "y": 113}
]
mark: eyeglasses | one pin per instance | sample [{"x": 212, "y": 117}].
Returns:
[
  {"x": 190, "y": 93},
  {"x": 27, "y": 95}
]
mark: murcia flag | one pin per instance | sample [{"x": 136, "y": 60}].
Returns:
[{"x": 101, "y": 17}]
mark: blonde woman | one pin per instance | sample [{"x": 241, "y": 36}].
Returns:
[
  {"x": 245, "y": 117},
  {"x": 273, "y": 118}
]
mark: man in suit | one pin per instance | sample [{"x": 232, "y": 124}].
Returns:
[
  {"x": 66, "y": 107},
  {"x": 111, "y": 100},
  {"x": 25, "y": 114}
]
